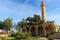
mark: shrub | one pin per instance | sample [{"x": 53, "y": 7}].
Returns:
[{"x": 21, "y": 36}]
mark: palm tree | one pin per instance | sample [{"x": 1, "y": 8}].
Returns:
[
  {"x": 22, "y": 24},
  {"x": 35, "y": 20}
]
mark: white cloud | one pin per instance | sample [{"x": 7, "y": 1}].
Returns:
[
  {"x": 54, "y": 10},
  {"x": 54, "y": 15},
  {"x": 15, "y": 10}
]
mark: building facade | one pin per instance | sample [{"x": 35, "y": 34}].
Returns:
[
  {"x": 43, "y": 29},
  {"x": 46, "y": 28}
]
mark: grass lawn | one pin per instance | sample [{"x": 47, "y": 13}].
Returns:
[
  {"x": 7, "y": 38},
  {"x": 38, "y": 38},
  {"x": 33, "y": 38}
]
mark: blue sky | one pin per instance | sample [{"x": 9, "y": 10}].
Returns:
[{"x": 18, "y": 9}]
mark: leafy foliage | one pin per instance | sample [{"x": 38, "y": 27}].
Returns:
[
  {"x": 34, "y": 20},
  {"x": 8, "y": 23},
  {"x": 20, "y": 36},
  {"x": 1, "y": 25}
]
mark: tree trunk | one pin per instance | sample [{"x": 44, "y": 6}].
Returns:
[
  {"x": 44, "y": 31},
  {"x": 36, "y": 31}
]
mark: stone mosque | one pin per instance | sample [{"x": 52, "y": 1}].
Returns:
[{"x": 47, "y": 26}]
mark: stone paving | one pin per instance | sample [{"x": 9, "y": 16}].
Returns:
[{"x": 56, "y": 39}]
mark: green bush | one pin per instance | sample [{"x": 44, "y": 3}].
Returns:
[
  {"x": 21, "y": 36},
  {"x": 13, "y": 34}
]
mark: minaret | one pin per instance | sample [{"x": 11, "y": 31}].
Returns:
[{"x": 43, "y": 10}]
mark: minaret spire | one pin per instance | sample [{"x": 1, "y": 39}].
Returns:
[{"x": 43, "y": 10}]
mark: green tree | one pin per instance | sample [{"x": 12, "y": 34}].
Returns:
[
  {"x": 1, "y": 25},
  {"x": 8, "y": 23},
  {"x": 23, "y": 22},
  {"x": 19, "y": 26},
  {"x": 22, "y": 25},
  {"x": 30, "y": 20},
  {"x": 36, "y": 19}
]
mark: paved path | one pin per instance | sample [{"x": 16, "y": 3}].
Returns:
[{"x": 56, "y": 39}]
